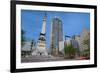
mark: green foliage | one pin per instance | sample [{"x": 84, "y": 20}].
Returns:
[
  {"x": 69, "y": 51},
  {"x": 22, "y": 37},
  {"x": 87, "y": 42},
  {"x": 86, "y": 53}
]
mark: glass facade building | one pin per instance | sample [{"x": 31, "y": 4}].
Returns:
[{"x": 56, "y": 35}]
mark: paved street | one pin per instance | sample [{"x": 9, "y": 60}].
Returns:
[{"x": 41, "y": 59}]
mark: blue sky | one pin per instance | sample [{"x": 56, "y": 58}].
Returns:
[{"x": 73, "y": 23}]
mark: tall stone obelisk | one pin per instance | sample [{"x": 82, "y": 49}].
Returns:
[{"x": 41, "y": 44}]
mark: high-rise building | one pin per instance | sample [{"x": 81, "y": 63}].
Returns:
[
  {"x": 84, "y": 37},
  {"x": 56, "y": 36},
  {"x": 80, "y": 42}
]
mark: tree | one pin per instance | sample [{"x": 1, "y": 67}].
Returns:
[
  {"x": 22, "y": 37},
  {"x": 69, "y": 51},
  {"x": 86, "y": 52},
  {"x": 87, "y": 42}
]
